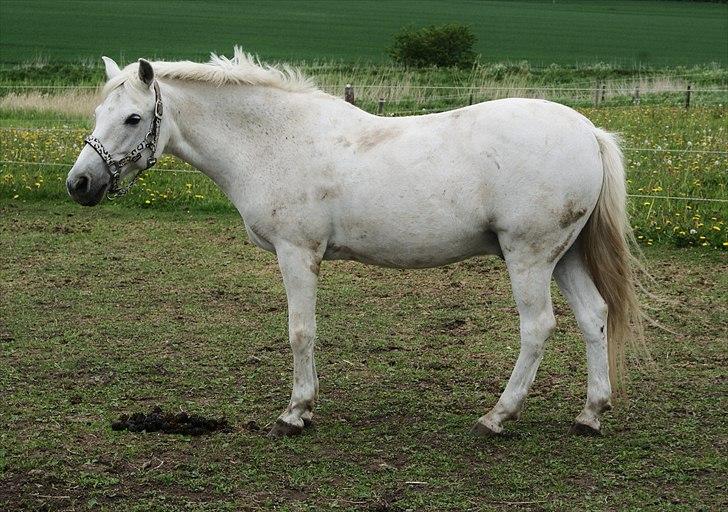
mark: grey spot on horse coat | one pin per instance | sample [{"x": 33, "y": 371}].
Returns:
[
  {"x": 560, "y": 249},
  {"x": 343, "y": 141},
  {"x": 329, "y": 192},
  {"x": 376, "y": 136},
  {"x": 334, "y": 251},
  {"x": 492, "y": 155}
]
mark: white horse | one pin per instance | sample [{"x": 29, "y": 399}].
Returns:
[{"x": 315, "y": 178}]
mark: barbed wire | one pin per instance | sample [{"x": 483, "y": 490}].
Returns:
[
  {"x": 194, "y": 171},
  {"x": 661, "y": 150},
  {"x": 464, "y": 87},
  {"x": 707, "y": 199},
  {"x": 509, "y": 88},
  {"x": 68, "y": 165}
]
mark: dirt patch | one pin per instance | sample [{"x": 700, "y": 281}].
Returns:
[
  {"x": 168, "y": 423},
  {"x": 571, "y": 214}
]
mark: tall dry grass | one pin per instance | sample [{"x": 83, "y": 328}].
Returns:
[
  {"x": 75, "y": 102},
  {"x": 410, "y": 91}
]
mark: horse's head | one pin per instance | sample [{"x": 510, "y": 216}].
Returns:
[{"x": 125, "y": 137}]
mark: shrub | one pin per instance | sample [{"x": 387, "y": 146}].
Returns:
[{"x": 448, "y": 45}]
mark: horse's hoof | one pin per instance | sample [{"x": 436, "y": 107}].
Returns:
[
  {"x": 581, "y": 429},
  {"x": 283, "y": 429},
  {"x": 308, "y": 423},
  {"x": 483, "y": 430}
]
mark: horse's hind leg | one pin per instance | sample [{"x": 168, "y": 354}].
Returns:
[
  {"x": 590, "y": 310},
  {"x": 530, "y": 280}
]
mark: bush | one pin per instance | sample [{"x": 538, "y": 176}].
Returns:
[{"x": 447, "y": 46}]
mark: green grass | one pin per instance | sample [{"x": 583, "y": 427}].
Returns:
[
  {"x": 629, "y": 33},
  {"x": 115, "y": 309}
]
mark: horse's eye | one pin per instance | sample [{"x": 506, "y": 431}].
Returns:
[{"x": 133, "y": 119}]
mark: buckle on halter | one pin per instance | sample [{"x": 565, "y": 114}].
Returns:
[
  {"x": 158, "y": 109},
  {"x": 151, "y": 161}
]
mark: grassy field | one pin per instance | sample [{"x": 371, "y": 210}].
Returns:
[
  {"x": 629, "y": 33},
  {"x": 115, "y": 309},
  {"x": 159, "y": 299}
]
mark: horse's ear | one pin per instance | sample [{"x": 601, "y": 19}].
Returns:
[
  {"x": 146, "y": 73},
  {"x": 112, "y": 69}
]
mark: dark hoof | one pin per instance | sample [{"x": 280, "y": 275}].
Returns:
[
  {"x": 308, "y": 423},
  {"x": 283, "y": 429},
  {"x": 481, "y": 430},
  {"x": 585, "y": 430}
]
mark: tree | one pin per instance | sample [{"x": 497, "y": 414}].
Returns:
[{"x": 449, "y": 45}]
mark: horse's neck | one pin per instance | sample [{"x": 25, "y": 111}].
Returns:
[{"x": 231, "y": 131}]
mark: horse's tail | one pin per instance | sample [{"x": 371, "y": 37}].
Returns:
[{"x": 605, "y": 243}]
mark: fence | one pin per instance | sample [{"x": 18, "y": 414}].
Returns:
[
  {"x": 468, "y": 94},
  {"x": 451, "y": 96}
]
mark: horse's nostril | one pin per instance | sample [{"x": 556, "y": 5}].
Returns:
[{"x": 81, "y": 184}]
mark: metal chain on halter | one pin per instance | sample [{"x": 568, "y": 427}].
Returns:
[{"x": 114, "y": 167}]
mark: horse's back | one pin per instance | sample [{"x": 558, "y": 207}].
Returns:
[{"x": 499, "y": 159}]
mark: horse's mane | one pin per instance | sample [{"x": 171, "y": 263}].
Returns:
[{"x": 243, "y": 68}]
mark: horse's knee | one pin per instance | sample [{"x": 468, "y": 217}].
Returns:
[
  {"x": 593, "y": 320},
  {"x": 301, "y": 337},
  {"x": 537, "y": 329}
]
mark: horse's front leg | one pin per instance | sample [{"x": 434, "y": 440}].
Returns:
[{"x": 299, "y": 267}]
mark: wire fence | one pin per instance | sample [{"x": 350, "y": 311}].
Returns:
[
  {"x": 627, "y": 148},
  {"x": 464, "y": 87},
  {"x": 598, "y": 93},
  {"x": 68, "y": 165}
]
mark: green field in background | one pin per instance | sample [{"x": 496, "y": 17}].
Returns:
[{"x": 629, "y": 33}]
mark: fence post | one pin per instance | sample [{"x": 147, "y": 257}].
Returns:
[
  {"x": 349, "y": 94},
  {"x": 470, "y": 99},
  {"x": 636, "y": 99},
  {"x": 604, "y": 92},
  {"x": 687, "y": 97},
  {"x": 381, "y": 106},
  {"x": 596, "y": 95}
]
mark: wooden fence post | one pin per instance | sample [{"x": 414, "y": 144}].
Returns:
[
  {"x": 687, "y": 97},
  {"x": 636, "y": 99},
  {"x": 604, "y": 92},
  {"x": 349, "y": 94},
  {"x": 596, "y": 95},
  {"x": 470, "y": 100},
  {"x": 380, "y": 111}
]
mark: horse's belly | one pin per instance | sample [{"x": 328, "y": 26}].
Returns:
[{"x": 413, "y": 251}]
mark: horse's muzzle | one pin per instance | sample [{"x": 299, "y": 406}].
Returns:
[{"x": 86, "y": 190}]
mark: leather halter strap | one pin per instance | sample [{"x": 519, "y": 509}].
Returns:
[{"x": 114, "y": 167}]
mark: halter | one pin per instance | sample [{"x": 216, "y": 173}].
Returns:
[{"x": 114, "y": 167}]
